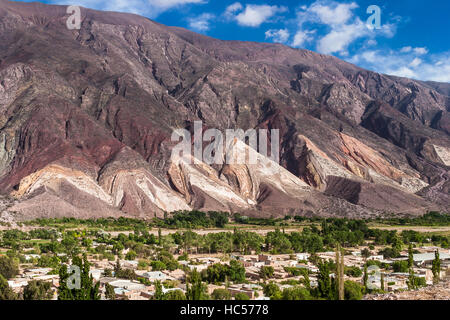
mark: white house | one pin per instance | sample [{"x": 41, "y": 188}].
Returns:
[{"x": 156, "y": 275}]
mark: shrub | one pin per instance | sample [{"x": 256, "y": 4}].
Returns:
[
  {"x": 241, "y": 296},
  {"x": 400, "y": 266},
  {"x": 296, "y": 293},
  {"x": 221, "y": 294},
  {"x": 9, "y": 267},
  {"x": 353, "y": 290},
  {"x": 353, "y": 272},
  {"x": 158, "y": 266}
]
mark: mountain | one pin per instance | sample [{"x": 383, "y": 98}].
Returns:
[{"x": 87, "y": 117}]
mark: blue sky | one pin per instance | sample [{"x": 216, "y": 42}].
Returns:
[{"x": 412, "y": 41}]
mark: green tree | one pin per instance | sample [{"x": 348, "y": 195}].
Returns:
[
  {"x": 365, "y": 277},
  {"x": 159, "y": 295},
  {"x": 6, "y": 293},
  {"x": 70, "y": 245},
  {"x": 339, "y": 275},
  {"x": 107, "y": 273},
  {"x": 353, "y": 271},
  {"x": 221, "y": 294},
  {"x": 37, "y": 290},
  {"x": 353, "y": 290},
  {"x": 217, "y": 273},
  {"x": 278, "y": 242},
  {"x": 158, "y": 266},
  {"x": 87, "y": 289},
  {"x": 271, "y": 290},
  {"x": 397, "y": 243},
  {"x": 117, "y": 248},
  {"x": 117, "y": 267},
  {"x": 400, "y": 266},
  {"x": 126, "y": 273},
  {"x": 324, "y": 287},
  {"x": 9, "y": 267},
  {"x": 195, "y": 288},
  {"x": 236, "y": 272},
  {"x": 176, "y": 295},
  {"x": 266, "y": 272},
  {"x": 410, "y": 256},
  {"x": 241, "y": 296},
  {"x": 296, "y": 293},
  {"x": 436, "y": 267},
  {"x": 110, "y": 294},
  {"x": 131, "y": 255},
  {"x": 306, "y": 281},
  {"x": 365, "y": 253}
]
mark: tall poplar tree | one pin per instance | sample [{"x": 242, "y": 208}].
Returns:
[
  {"x": 410, "y": 256},
  {"x": 87, "y": 291},
  {"x": 436, "y": 267},
  {"x": 340, "y": 273}
]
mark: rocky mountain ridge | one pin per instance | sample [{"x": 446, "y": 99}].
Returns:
[{"x": 87, "y": 117}]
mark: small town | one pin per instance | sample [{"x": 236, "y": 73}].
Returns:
[{"x": 170, "y": 264}]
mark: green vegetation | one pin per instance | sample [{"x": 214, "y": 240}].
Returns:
[
  {"x": 219, "y": 273},
  {"x": 6, "y": 293},
  {"x": 221, "y": 294},
  {"x": 195, "y": 288},
  {"x": 38, "y": 290},
  {"x": 400, "y": 266},
  {"x": 327, "y": 288},
  {"x": 241, "y": 296},
  {"x": 9, "y": 267},
  {"x": 353, "y": 290},
  {"x": 109, "y": 292},
  {"x": 87, "y": 290},
  {"x": 194, "y": 219},
  {"x": 174, "y": 295},
  {"x": 436, "y": 268},
  {"x": 429, "y": 219},
  {"x": 57, "y": 241},
  {"x": 353, "y": 272}
]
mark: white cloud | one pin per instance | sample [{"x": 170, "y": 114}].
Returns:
[
  {"x": 416, "y": 62},
  {"x": 421, "y": 51},
  {"x": 233, "y": 8},
  {"x": 252, "y": 15},
  {"x": 406, "y": 49},
  {"x": 403, "y": 72},
  {"x": 201, "y": 23},
  {"x": 418, "y": 51},
  {"x": 331, "y": 14},
  {"x": 280, "y": 36},
  {"x": 342, "y": 26},
  {"x": 406, "y": 63},
  {"x": 171, "y": 3},
  {"x": 302, "y": 37},
  {"x": 341, "y": 37},
  {"x": 149, "y": 8}
]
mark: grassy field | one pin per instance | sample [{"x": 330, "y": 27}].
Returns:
[{"x": 442, "y": 230}]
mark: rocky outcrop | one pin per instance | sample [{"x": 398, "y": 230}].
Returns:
[{"x": 439, "y": 291}]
